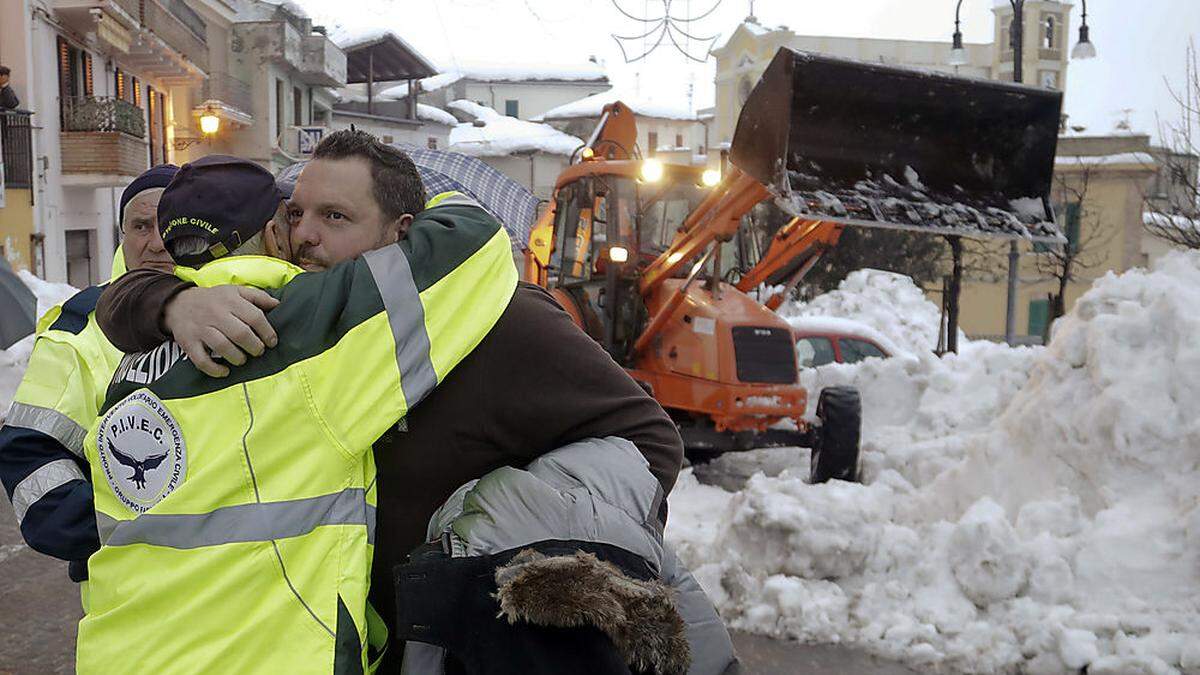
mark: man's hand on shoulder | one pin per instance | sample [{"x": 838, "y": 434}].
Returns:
[{"x": 226, "y": 321}]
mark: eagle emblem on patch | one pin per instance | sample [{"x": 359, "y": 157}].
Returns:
[{"x": 141, "y": 450}]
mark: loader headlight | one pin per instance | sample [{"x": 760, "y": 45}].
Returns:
[
  {"x": 618, "y": 254},
  {"x": 710, "y": 177},
  {"x": 652, "y": 170}
]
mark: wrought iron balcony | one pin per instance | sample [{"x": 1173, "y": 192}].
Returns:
[{"x": 102, "y": 113}]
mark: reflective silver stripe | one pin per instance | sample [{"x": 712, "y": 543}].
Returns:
[
  {"x": 50, "y": 422},
  {"x": 264, "y": 521},
  {"x": 44, "y": 479},
  {"x": 402, "y": 301}
]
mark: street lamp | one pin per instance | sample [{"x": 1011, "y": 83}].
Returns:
[
  {"x": 209, "y": 122},
  {"x": 958, "y": 55},
  {"x": 1084, "y": 49}
]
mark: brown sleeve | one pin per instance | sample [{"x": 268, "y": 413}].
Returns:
[
  {"x": 130, "y": 309},
  {"x": 567, "y": 388}
]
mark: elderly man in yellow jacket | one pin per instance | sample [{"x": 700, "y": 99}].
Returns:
[{"x": 42, "y": 465}]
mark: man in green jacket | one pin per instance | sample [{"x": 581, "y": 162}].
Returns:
[{"x": 533, "y": 384}]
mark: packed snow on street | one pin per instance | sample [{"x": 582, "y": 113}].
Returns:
[{"x": 1022, "y": 509}]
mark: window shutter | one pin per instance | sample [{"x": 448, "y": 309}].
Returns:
[
  {"x": 64, "y": 68},
  {"x": 1074, "y": 211},
  {"x": 88, "y": 89},
  {"x": 1039, "y": 314}
]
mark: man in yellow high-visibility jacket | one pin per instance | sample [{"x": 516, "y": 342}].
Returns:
[
  {"x": 41, "y": 442},
  {"x": 236, "y": 515}
]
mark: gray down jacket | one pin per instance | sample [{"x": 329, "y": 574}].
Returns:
[{"x": 571, "y": 540}]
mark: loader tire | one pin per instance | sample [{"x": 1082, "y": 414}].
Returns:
[{"x": 835, "y": 453}]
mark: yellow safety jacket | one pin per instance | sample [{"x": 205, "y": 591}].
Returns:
[{"x": 237, "y": 514}]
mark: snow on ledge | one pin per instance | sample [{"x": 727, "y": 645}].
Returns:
[
  {"x": 431, "y": 114},
  {"x": 1142, "y": 158}
]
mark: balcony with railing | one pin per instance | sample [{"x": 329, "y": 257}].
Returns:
[
  {"x": 229, "y": 92},
  {"x": 102, "y": 140},
  {"x": 179, "y": 27}
]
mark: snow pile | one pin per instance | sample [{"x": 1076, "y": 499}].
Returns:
[
  {"x": 592, "y": 106},
  {"x": 890, "y": 303},
  {"x": 1023, "y": 510},
  {"x": 500, "y": 135},
  {"x": 14, "y": 359}
]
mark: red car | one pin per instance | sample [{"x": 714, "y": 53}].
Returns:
[{"x": 823, "y": 340}]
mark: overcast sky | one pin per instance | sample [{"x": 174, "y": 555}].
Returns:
[{"x": 1141, "y": 44}]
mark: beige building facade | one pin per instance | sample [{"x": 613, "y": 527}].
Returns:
[
  {"x": 1100, "y": 192},
  {"x": 107, "y": 89}
]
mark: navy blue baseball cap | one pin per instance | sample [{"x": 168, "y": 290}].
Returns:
[
  {"x": 155, "y": 177},
  {"x": 222, "y": 199}
]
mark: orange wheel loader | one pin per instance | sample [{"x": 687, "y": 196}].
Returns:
[{"x": 642, "y": 254}]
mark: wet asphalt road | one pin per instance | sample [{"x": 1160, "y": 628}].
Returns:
[{"x": 39, "y": 608}]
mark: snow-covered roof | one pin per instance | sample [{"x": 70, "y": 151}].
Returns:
[
  {"x": 432, "y": 114},
  {"x": 501, "y": 135},
  {"x": 349, "y": 37},
  {"x": 434, "y": 83},
  {"x": 592, "y": 106},
  {"x": 1142, "y": 158},
  {"x": 584, "y": 71}
]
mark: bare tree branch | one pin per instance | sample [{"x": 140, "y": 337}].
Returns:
[
  {"x": 1065, "y": 263},
  {"x": 1172, "y": 208}
]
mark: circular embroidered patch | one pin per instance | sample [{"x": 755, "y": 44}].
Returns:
[{"x": 141, "y": 450}]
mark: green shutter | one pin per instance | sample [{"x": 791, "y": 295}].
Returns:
[
  {"x": 1074, "y": 210},
  {"x": 1039, "y": 314}
]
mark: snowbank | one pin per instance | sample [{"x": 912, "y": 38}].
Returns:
[
  {"x": 14, "y": 359},
  {"x": 500, "y": 135},
  {"x": 1023, "y": 510}
]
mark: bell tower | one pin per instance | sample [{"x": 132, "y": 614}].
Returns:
[{"x": 1045, "y": 42}]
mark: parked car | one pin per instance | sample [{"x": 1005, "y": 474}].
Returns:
[{"x": 824, "y": 340}]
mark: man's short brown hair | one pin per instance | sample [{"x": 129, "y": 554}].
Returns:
[{"x": 397, "y": 185}]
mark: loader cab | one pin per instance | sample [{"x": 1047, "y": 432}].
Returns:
[{"x": 609, "y": 224}]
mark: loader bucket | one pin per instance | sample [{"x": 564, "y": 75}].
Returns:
[{"x": 883, "y": 146}]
